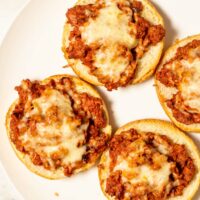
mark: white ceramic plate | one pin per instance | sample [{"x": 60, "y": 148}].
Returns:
[{"x": 32, "y": 49}]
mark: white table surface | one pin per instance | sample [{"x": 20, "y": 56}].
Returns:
[{"x": 8, "y": 12}]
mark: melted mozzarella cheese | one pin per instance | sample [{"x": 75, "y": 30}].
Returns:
[
  {"x": 111, "y": 62},
  {"x": 53, "y": 97},
  {"x": 143, "y": 173},
  {"x": 60, "y": 136},
  {"x": 191, "y": 84},
  {"x": 111, "y": 26},
  {"x": 111, "y": 31},
  {"x": 156, "y": 178}
]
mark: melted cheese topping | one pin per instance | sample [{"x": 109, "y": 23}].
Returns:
[
  {"x": 191, "y": 84},
  {"x": 111, "y": 30},
  {"x": 112, "y": 65},
  {"x": 143, "y": 173},
  {"x": 155, "y": 178},
  {"x": 111, "y": 26},
  {"x": 60, "y": 137}
]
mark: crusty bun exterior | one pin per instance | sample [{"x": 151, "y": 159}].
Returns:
[
  {"x": 146, "y": 65},
  {"x": 164, "y": 128},
  {"x": 164, "y": 93},
  {"x": 81, "y": 86}
]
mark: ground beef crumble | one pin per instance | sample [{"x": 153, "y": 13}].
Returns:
[
  {"x": 114, "y": 186},
  {"x": 155, "y": 34},
  {"x": 183, "y": 52},
  {"x": 137, "y": 6},
  {"x": 182, "y": 115},
  {"x": 167, "y": 77},
  {"x": 80, "y": 14},
  {"x": 120, "y": 143}
]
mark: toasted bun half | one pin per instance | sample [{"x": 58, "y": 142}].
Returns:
[
  {"x": 181, "y": 83},
  {"x": 109, "y": 58},
  {"x": 124, "y": 169},
  {"x": 56, "y": 146}
]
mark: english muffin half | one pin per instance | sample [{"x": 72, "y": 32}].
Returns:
[
  {"x": 58, "y": 126},
  {"x": 178, "y": 81},
  {"x": 113, "y": 42},
  {"x": 150, "y": 159}
]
